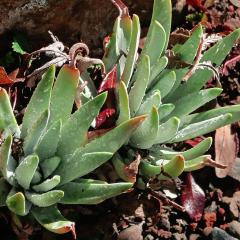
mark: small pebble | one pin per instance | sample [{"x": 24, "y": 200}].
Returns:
[
  {"x": 219, "y": 234},
  {"x": 234, "y": 228}
]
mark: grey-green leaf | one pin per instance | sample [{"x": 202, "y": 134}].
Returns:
[
  {"x": 39, "y": 102},
  {"x": 47, "y": 185},
  {"x": 45, "y": 199},
  {"x": 201, "y": 128},
  {"x": 141, "y": 78},
  {"x": 91, "y": 193},
  {"x": 47, "y": 145},
  {"x": 74, "y": 131},
  {"x": 26, "y": 169}
]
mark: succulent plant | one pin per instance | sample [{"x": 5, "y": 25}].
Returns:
[
  {"x": 167, "y": 86},
  {"x": 43, "y": 160}
]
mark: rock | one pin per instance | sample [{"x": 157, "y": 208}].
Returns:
[
  {"x": 219, "y": 234},
  {"x": 131, "y": 233},
  {"x": 76, "y": 20},
  {"x": 194, "y": 236},
  {"x": 234, "y": 228}
]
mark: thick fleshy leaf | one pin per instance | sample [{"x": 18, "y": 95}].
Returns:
[
  {"x": 153, "y": 100},
  {"x": 198, "y": 117},
  {"x": 196, "y": 163},
  {"x": 35, "y": 133},
  {"x": 188, "y": 50},
  {"x": 47, "y": 185},
  {"x": 39, "y": 102},
  {"x": 49, "y": 166},
  {"x": 144, "y": 136},
  {"x": 100, "y": 146},
  {"x": 65, "y": 85},
  {"x": 132, "y": 53},
  {"x": 201, "y": 128},
  {"x": 226, "y": 149},
  {"x": 164, "y": 110},
  {"x": 162, "y": 12},
  {"x": 109, "y": 82},
  {"x": 17, "y": 204},
  {"x": 125, "y": 29},
  {"x": 193, "y": 198},
  {"x": 81, "y": 164},
  {"x": 156, "y": 69},
  {"x": 8, "y": 123},
  {"x": 37, "y": 177},
  {"x": 91, "y": 193},
  {"x": 124, "y": 111},
  {"x": 7, "y": 162},
  {"x": 141, "y": 78},
  {"x": 193, "y": 101},
  {"x": 74, "y": 131},
  {"x": 112, "y": 51},
  {"x": 26, "y": 169},
  {"x": 4, "y": 190},
  {"x": 47, "y": 145},
  {"x": 45, "y": 199},
  {"x": 155, "y": 42},
  {"x": 167, "y": 169},
  {"x": 165, "y": 83},
  {"x": 167, "y": 130},
  {"x": 216, "y": 56},
  {"x": 192, "y": 153},
  {"x": 52, "y": 220}
]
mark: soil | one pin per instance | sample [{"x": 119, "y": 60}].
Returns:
[{"x": 139, "y": 215}]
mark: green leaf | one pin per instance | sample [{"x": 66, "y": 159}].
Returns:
[
  {"x": 156, "y": 69},
  {"x": 35, "y": 133},
  {"x": 4, "y": 190},
  {"x": 141, "y": 77},
  {"x": 198, "y": 117},
  {"x": 75, "y": 166},
  {"x": 162, "y": 12},
  {"x": 193, "y": 101},
  {"x": 164, "y": 110},
  {"x": 112, "y": 49},
  {"x": 16, "y": 47},
  {"x": 216, "y": 56},
  {"x": 132, "y": 54},
  {"x": 37, "y": 177},
  {"x": 188, "y": 50},
  {"x": 201, "y": 128},
  {"x": 8, "y": 123},
  {"x": 91, "y": 193},
  {"x": 48, "y": 142},
  {"x": 153, "y": 100},
  {"x": 52, "y": 219},
  {"x": 47, "y": 185},
  {"x": 155, "y": 42},
  {"x": 124, "y": 111},
  {"x": 48, "y": 166},
  {"x": 172, "y": 168},
  {"x": 196, "y": 163},
  {"x": 74, "y": 131},
  {"x": 26, "y": 169},
  {"x": 145, "y": 135},
  {"x": 17, "y": 204},
  {"x": 7, "y": 162},
  {"x": 192, "y": 153},
  {"x": 63, "y": 94},
  {"x": 165, "y": 83},
  {"x": 81, "y": 164},
  {"x": 39, "y": 102},
  {"x": 167, "y": 130},
  {"x": 45, "y": 199}
]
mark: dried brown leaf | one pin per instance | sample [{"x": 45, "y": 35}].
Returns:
[{"x": 226, "y": 149}]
